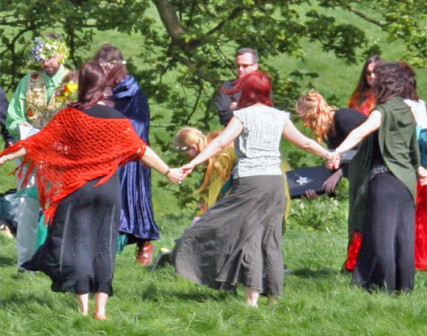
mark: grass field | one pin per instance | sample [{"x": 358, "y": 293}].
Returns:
[{"x": 317, "y": 299}]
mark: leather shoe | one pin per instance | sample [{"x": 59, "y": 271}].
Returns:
[{"x": 145, "y": 253}]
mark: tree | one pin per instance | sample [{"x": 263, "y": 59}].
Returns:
[
  {"x": 197, "y": 38},
  {"x": 191, "y": 50}
]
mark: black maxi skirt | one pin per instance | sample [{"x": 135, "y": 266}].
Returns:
[
  {"x": 386, "y": 258},
  {"x": 239, "y": 239},
  {"x": 80, "y": 248}
]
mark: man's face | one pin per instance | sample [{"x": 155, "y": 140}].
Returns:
[
  {"x": 51, "y": 65},
  {"x": 245, "y": 64}
]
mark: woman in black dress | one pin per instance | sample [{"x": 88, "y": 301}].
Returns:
[
  {"x": 77, "y": 155},
  {"x": 384, "y": 173}
]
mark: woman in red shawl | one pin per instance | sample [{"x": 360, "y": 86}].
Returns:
[{"x": 77, "y": 156}]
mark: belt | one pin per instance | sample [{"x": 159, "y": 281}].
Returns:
[{"x": 379, "y": 169}]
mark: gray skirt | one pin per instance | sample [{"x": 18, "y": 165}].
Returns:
[{"x": 239, "y": 239}]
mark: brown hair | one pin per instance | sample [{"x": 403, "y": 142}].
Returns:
[
  {"x": 188, "y": 136},
  {"x": 92, "y": 84},
  {"x": 362, "y": 92},
  {"x": 111, "y": 54},
  {"x": 317, "y": 114},
  {"x": 410, "y": 82},
  {"x": 389, "y": 81}
]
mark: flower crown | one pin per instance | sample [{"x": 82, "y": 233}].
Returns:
[{"x": 46, "y": 47}]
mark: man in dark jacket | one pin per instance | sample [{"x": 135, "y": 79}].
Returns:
[{"x": 246, "y": 62}]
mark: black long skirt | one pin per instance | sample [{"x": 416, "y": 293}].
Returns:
[
  {"x": 386, "y": 258},
  {"x": 239, "y": 239},
  {"x": 80, "y": 248}
]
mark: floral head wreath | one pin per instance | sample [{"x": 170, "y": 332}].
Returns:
[{"x": 46, "y": 47}]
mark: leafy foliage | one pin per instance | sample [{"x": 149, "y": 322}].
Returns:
[{"x": 187, "y": 47}]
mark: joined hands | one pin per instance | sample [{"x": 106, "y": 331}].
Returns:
[{"x": 333, "y": 160}]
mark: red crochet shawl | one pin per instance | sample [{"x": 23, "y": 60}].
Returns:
[{"x": 75, "y": 148}]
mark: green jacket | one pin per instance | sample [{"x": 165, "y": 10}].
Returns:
[
  {"x": 399, "y": 148},
  {"x": 17, "y": 110}
]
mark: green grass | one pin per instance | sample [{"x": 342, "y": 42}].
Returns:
[{"x": 317, "y": 298}]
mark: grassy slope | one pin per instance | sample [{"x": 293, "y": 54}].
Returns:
[{"x": 317, "y": 298}]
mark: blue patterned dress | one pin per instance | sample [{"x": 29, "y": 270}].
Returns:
[{"x": 136, "y": 218}]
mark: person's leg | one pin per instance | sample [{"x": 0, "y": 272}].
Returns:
[
  {"x": 252, "y": 296},
  {"x": 26, "y": 241},
  {"x": 83, "y": 300},
  {"x": 100, "y": 306},
  {"x": 405, "y": 242},
  {"x": 376, "y": 264},
  {"x": 145, "y": 252}
]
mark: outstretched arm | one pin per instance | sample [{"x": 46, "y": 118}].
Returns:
[
  {"x": 152, "y": 160},
  {"x": 358, "y": 134},
  {"x": 12, "y": 156},
  {"x": 292, "y": 134},
  {"x": 231, "y": 132}
]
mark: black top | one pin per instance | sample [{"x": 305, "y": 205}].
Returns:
[
  {"x": 345, "y": 120},
  {"x": 223, "y": 102},
  {"x": 104, "y": 112}
]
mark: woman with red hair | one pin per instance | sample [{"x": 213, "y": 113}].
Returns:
[{"x": 238, "y": 240}]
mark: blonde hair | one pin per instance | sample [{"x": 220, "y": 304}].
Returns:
[
  {"x": 317, "y": 114},
  {"x": 188, "y": 136}
]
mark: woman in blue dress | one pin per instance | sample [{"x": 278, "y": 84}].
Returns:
[{"x": 137, "y": 224}]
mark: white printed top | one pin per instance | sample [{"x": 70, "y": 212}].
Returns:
[{"x": 258, "y": 147}]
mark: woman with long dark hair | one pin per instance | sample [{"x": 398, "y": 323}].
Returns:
[
  {"x": 137, "y": 224},
  {"x": 363, "y": 98},
  {"x": 239, "y": 239},
  {"x": 77, "y": 156},
  {"x": 384, "y": 176}
]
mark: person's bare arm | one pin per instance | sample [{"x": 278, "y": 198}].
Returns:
[
  {"x": 152, "y": 160},
  {"x": 358, "y": 134},
  {"x": 12, "y": 156},
  {"x": 231, "y": 132}
]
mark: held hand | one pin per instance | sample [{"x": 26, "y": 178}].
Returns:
[
  {"x": 3, "y": 160},
  {"x": 176, "y": 175},
  {"x": 332, "y": 160},
  {"x": 233, "y": 105},
  {"x": 422, "y": 173},
  {"x": 331, "y": 182},
  {"x": 310, "y": 193},
  {"x": 187, "y": 169}
]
